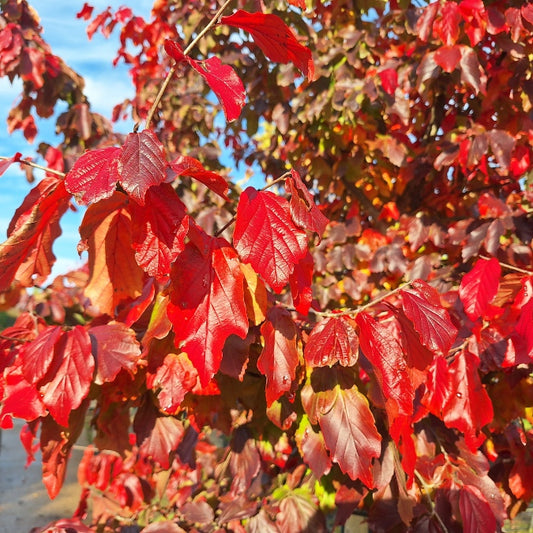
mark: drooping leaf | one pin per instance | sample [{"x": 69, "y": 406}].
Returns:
[
  {"x": 447, "y": 26},
  {"x": 255, "y": 295},
  {"x": 279, "y": 358},
  {"x": 189, "y": 166},
  {"x": 116, "y": 348},
  {"x": 304, "y": 211},
  {"x": 207, "y": 302},
  {"x": 385, "y": 354},
  {"x": 297, "y": 512},
  {"x": 448, "y": 57},
  {"x": 244, "y": 461},
  {"x": 332, "y": 341},
  {"x": 266, "y": 237},
  {"x": 476, "y": 514},
  {"x": 114, "y": 275},
  {"x": 175, "y": 377},
  {"x": 94, "y": 175},
  {"x": 159, "y": 230},
  {"x": 275, "y": 39},
  {"x": 300, "y": 282},
  {"x": 37, "y": 356},
  {"x": 6, "y": 163},
  {"x": 141, "y": 164},
  {"x": 222, "y": 79},
  {"x": 26, "y": 256},
  {"x": 69, "y": 378},
  {"x": 479, "y": 287},
  {"x": 312, "y": 448},
  {"x": 350, "y": 432},
  {"x": 421, "y": 304}
]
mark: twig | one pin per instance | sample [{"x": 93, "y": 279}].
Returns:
[
  {"x": 424, "y": 490},
  {"x": 232, "y": 220},
  {"x": 508, "y": 266},
  {"x": 172, "y": 71},
  {"x": 35, "y": 165}
]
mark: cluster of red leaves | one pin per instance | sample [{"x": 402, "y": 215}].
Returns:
[{"x": 221, "y": 375}]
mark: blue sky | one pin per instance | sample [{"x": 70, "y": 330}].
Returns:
[{"x": 105, "y": 87}]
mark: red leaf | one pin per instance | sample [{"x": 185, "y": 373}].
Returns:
[
  {"x": 6, "y": 163},
  {"x": 448, "y": 57},
  {"x": 113, "y": 277},
  {"x": 300, "y": 282},
  {"x": 313, "y": 448},
  {"x": 275, "y": 39},
  {"x": 303, "y": 209},
  {"x": 447, "y": 26},
  {"x": 141, "y": 164},
  {"x": 471, "y": 71},
  {"x": 425, "y": 22},
  {"x": 116, "y": 349},
  {"x": 159, "y": 230},
  {"x": 176, "y": 377},
  {"x": 70, "y": 376},
  {"x": 350, "y": 433},
  {"x": 389, "y": 80},
  {"x": 421, "y": 304},
  {"x": 27, "y": 253},
  {"x": 188, "y": 166},
  {"x": 279, "y": 358},
  {"x": 94, "y": 175},
  {"x": 222, "y": 79},
  {"x": 468, "y": 406},
  {"x": 479, "y": 287},
  {"x": 157, "y": 436},
  {"x": 298, "y": 3},
  {"x": 299, "y": 513},
  {"x": 332, "y": 341},
  {"x": 266, "y": 237},
  {"x": 476, "y": 513},
  {"x": 37, "y": 356},
  {"x": 207, "y": 301}
]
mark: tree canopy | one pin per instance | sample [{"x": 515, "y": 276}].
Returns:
[{"x": 355, "y": 336}]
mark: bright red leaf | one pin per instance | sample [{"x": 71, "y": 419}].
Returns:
[
  {"x": 37, "y": 356},
  {"x": 159, "y": 230},
  {"x": 389, "y": 80},
  {"x": 266, "y": 237},
  {"x": 300, "y": 282},
  {"x": 6, "y": 163},
  {"x": 141, "y": 164},
  {"x": 116, "y": 348},
  {"x": 421, "y": 304},
  {"x": 222, "y": 79},
  {"x": 332, "y": 341},
  {"x": 479, "y": 287},
  {"x": 70, "y": 375},
  {"x": 189, "y": 166},
  {"x": 279, "y": 358},
  {"x": 207, "y": 301},
  {"x": 94, "y": 175},
  {"x": 448, "y": 57},
  {"x": 447, "y": 26},
  {"x": 275, "y": 39},
  {"x": 304, "y": 211}
]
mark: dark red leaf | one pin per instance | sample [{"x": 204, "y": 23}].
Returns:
[
  {"x": 313, "y": 448},
  {"x": 175, "y": 377},
  {"x": 116, "y": 348},
  {"x": 6, "y": 163},
  {"x": 476, "y": 514},
  {"x": 422, "y": 306},
  {"x": 275, "y": 39},
  {"x": 207, "y": 302},
  {"x": 266, "y": 237},
  {"x": 303, "y": 209},
  {"x": 159, "y": 230},
  {"x": 141, "y": 164},
  {"x": 70, "y": 377},
  {"x": 479, "y": 287},
  {"x": 502, "y": 144},
  {"x": 94, "y": 175},
  {"x": 332, "y": 341},
  {"x": 188, "y": 166},
  {"x": 279, "y": 358}
]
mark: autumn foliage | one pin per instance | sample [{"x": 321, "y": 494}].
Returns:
[{"x": 356, "y": 336}]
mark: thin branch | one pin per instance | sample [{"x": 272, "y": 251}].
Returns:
[
  {"x": 13, "y": 339},
  {"x": 35, "y": 165},
  {"x": 509, "y": 267},
  {"x": 232, "y": 220},
  {"x": 424, "y": 489},
  {"x": 172, "y": 71}
]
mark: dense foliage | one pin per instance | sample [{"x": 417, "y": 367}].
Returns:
[{"x": 355, "y": 337}]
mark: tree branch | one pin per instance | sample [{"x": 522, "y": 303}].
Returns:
[{"x": 29, "y": 163}]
